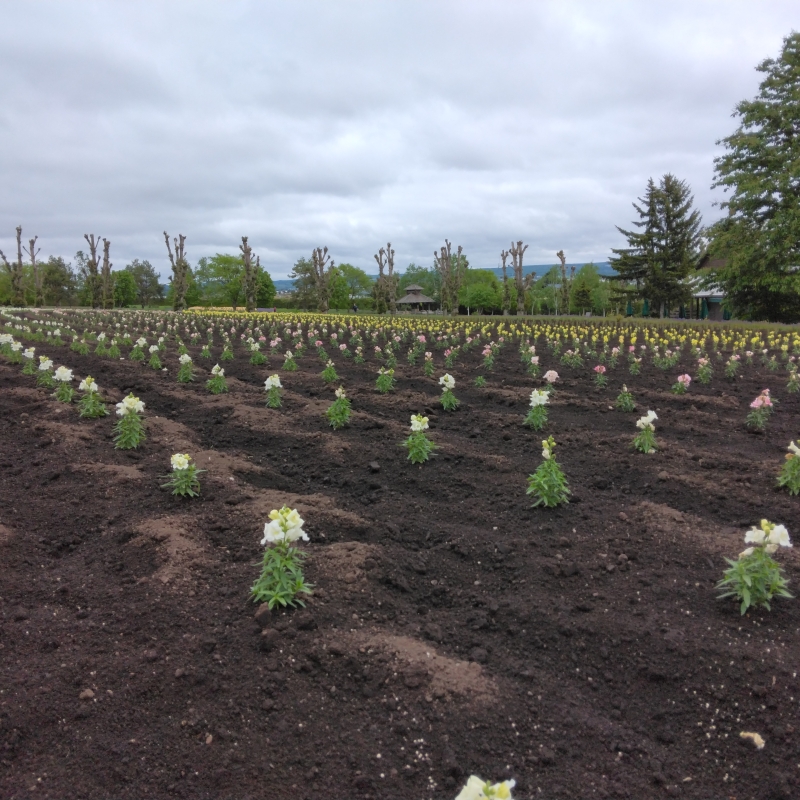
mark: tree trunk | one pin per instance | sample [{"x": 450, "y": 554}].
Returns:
[
  {"x": 15, "y": 272},
  {"x": 517, "y": 251},
  {"x": 36, "y": 273},
  {"x": 323, "y": 272},
  {"x": 249, "y": 275},
  {"x": 92, "y": 278},
  {"x": 108, "y": 288},
  {"x": 180, "y": 270},
  {"x": 506, "y": 293}
]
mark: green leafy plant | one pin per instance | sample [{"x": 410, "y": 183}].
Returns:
[
  {"x": 227, "y": 353},
  {"x": 129, "y": 429},
  {"x": 681, "y": 385},
  {"x": 427, "y": 366},
  {"x": 419, "y": 446},
  {"x": 548, "y": 484},
  {"x": 755, "y": 577},
  {"x": 624, "y": 401},
  {"x": 480, "y": 381},
  {"x": 186, "y": 369},
  {"x": 205, "y": 352},
  {"x": 634, "y": 365},
  {"x": 44, "y": 376},
  {"x": 155, "y": 361},
  {"x": 63, "y": 379},
  {"x": 732, "y": 366},
  {"x": 537, "y": 415},
  {"x": 137, "y": 354},
  {"x": 183, "y": 479},
  {"x": 645, "y": 440},
  {"x": 338, "y": 413},
  {"x": 29, "y": 367},
  {"x": 385, "y": 381},
  {"x": 448, "y": 399},
  {"x": 217, "y": 384},
  {"x": 329, "y": 373},
  {"x": 760, "y": 409},
  {"x": 704, "y": 370},
  {"x": 91, "y": 406},
  {"x": 790, "y": 472},
  {"x": 600, "y": 376},
  {"x": 281, "y": 580},
  {"x": 289, "y": 364},
  {"x": 256, "y": 356},
  {"x": 792, "y": 385},
  {"x": 273, "y": 387}
]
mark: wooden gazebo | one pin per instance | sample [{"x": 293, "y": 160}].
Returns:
[{"x": 414, "y": 297}]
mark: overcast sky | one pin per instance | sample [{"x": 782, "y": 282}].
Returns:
[{"x": 349, "y": 124}]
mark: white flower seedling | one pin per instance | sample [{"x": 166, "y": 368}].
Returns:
[
  {"x": 537, "y": 415},
  {"x": 448, "y": 399},
  {"x": 63, "y": 378},
  {"x": 217, "y": 384},
  {"x": 645, "y": 440},
  {"x": 273, "y": 387},
  {"x": 281, "y": 580},
  {"x": 338, "y": 413},
  {"x": 419, "y": 446},
  {"x": 478, "y": 789},
  {"x": 754, "y": 578},
  {"x": 790, "y": 473},
  {"x": 183, "y": 480},
  {"x": 548, "y": 484},
  {"x": 129, "y": 429}
]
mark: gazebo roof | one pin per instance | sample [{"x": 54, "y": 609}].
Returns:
[
  {"x": 415, "y": 298},
  {"x": 413, "y": 287}
]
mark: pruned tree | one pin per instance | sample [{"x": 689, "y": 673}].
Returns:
[
  {"x": 385, "y": 291},
  {"x": 323, "y": 270},
  {"x": 517, "y": 251},
  {"x": 37, "y": 273},
  {"x": 249, "y": 274},
  {"x": 566, "y": 283},
  {"x": 451, "y": 270},
  {"x": 180, "y": 271},
  {"x": 92, "y": 278},
  {"x": 106, "y": 281},
  {"x": 15, "y": 272},
  {"x": 504, "y": 254}
]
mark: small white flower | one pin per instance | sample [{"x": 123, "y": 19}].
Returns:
[
  {"x": 185, "y": 359},
  {"x": 546, "y": 450},
  {"x": 273, "y": 382},
  {"x": 447, "y": 381},
  {"x": 779, "y": 536},
  {"x": 794, "y": 449},
  {"x": 180, "y": 461},
  {"x": 63, "y": 374},
  {"x": 88, "y": 385},
  {"x": 153, "y": 348},
  {"x": 217, "y": 370},
  {"x": 45, "y": 364},
  {"x": 551, "y": 376},
  {"x": 128, "y": 405},
  {"x": 747, "y": 552},
  {"x": 29, "y": 352},
  {"x": 419, "y": 423},
  {"x": 287, "y": 355},
  {"x": 141, "y": 342},
  {"x": 286, "y": 526},
  {"x": 755, "y": 536},
  {"x": 539, "y": 397},
  {"x": 647, "y": 421},
  {"x": 340, "y": 393}
]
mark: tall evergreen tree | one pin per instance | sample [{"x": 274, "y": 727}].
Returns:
[
  {"x": 759, "y": 239},
  {"x": 661, "y": 253}
]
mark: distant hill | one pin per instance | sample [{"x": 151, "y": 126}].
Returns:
[{"x": 603, "y": 267}]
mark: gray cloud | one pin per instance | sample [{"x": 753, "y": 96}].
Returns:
[{"x": 350, "y": 123}]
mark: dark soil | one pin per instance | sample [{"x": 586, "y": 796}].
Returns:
[{"x": 454, "y": 629}]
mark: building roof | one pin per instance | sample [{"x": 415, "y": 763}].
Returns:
[{"x": 415, "y": 298}]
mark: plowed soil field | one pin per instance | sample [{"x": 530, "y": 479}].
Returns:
[{"x": 453, "y": 628}]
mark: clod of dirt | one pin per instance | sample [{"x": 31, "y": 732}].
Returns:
[
  {"x": 269, "y": 639},
  {"x": 86, "y": 694},
  {"x": 374, "y": 466},
  {"x": 263, "y": 615}
]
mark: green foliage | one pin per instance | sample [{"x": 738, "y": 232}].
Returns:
[
  {"x": 59, "y": 284},
  {"x": 624, "y": 401},
  {"x": 480, "y": 381},
  {"x": 419, "y": 447},
  {"x": 217, "y": 384},
  {"x": 759, "y": 237},
  {"x": 427, "y": 278},
  {"x": 147, "y": 280},
  {"x": 448, "y": 400},
  {"x": 754, "y": 580},
  {"x": 129, "y": 432},
  {"x": 385, "y": 380},
  {"x": 548, "y": 484},
  {"x": 90, "y": 406},
  {"x": 125, "y": 292},
  {"x": 265, "y": 288},
  {"x": 645, "y": 440},
  {"x": 221, "y": 280},
  {"x": 536, "y": 418},
  {"x": 281, "y": 579},
  {"x": 663, "y": 249},
  {"x": 790, "y": 474},
  {"x": 329, "y": 373},
  {"x": 338, "y": 413},
  {"x": 184, "y": 482},
  {"x": 359, "y": 284}
]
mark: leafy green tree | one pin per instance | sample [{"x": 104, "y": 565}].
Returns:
[
  {"x": 58, "y": 282},
  {"x": 662, "y": 252},
  {"x": 759, "y": 239},
  {"x": 339, "y": 290},
  {"x": 221, "y": 280},
  {"x": 125, "y": 290},
  {"x": 480, "y": 290},
  {"x": 359, "y": 284},
  {"x": 305, "y": 284},
  {"x": 194, "y": 291},
  {"x": 148, "y": 282},
  {"x": 265, "y": 288}
]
